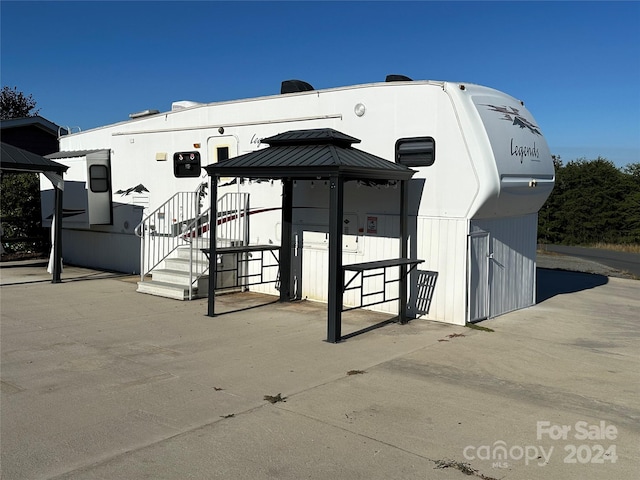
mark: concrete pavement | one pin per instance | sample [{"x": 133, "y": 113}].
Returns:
[{"x": 100, "y": 382}]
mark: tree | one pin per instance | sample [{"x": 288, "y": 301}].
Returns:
[
  {"x": 15, "y": 104},
  {"x": 592, "y": 202},
  {"x": 631, "y": 205},
  {"x": 20, "y": 192}
]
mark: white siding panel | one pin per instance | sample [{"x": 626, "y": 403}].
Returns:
[
  {"x": 437, "y": 288},
  {"x": 442, "y": 244}
]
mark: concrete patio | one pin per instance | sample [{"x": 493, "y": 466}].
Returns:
[{"x": 100, "y": 382}]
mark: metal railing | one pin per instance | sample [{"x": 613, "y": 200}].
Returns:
[
  {"x": 181, "y": 222},
  {"x": 164, "y": 229}
]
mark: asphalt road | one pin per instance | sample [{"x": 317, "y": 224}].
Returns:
[{"x": 629, "y": 262}]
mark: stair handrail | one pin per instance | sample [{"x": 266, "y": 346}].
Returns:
[
  {"x": 193, "y": 222},
  {"x": 185, "y": 206},
  {"x": 236, "y": 202}
]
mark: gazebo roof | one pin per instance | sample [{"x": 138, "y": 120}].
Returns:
[
  {"x": 15, "y": 159},
  {"x": 310, "y": 154}
]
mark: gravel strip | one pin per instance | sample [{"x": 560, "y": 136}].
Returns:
[{"x": 554, "y": 261}]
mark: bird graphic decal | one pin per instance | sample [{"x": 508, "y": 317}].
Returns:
[{"x": 512, "y": 115}]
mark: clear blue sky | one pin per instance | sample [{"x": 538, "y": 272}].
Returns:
[{"x": 575, "y": 64}]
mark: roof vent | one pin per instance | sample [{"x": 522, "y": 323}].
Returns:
[
  {"x": 293, "y": 86},
  {"x": 143, "y": 113},
  {"x": 398, "y": 78},
  {"x": 182, "y": 104}
]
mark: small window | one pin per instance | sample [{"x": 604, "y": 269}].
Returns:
[
  {"x": 186, "y": 164},
  {"x": 99, "y": 178},
  {"x": 222, "y": 153},
  {"x": 416, "y": 152}
]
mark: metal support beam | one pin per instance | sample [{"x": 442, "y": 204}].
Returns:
[
  {"x": 336, "y": 275},
  {"x": 404, "y": 208},
  {"x": 213, "y": 257},
  {"x": 285, "y": 240},
  {"x": 57, "y": 235}
]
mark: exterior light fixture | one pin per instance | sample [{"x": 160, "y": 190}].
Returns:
[{"x": 359, "y": 109}]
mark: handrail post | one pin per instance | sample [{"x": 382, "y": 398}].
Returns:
[
  {"x": 193, "y": 238},
  {"x": 142, "y": 250}
]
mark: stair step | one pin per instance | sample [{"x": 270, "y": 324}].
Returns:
[
  {"x": 172, "y": 281},
  {"x": 183, "y": 252},
  {"x": 182, "y": 264},
  {"x": 176, "y": 277},
  {"x": 167, "y": 290}
]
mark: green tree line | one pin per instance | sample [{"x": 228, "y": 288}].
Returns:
[{"x": 593, "y": 202}]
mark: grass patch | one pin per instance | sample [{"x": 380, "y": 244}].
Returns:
[{"x": 625, "y": 247}]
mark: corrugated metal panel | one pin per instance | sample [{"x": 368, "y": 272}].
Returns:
[{"x": 513, "y": 244}]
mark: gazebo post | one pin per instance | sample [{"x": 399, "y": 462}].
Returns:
[
  {"x": 336, "y": 275},
  {"x": 285, "y": 240},
  {"x": 404, "y": 204}
]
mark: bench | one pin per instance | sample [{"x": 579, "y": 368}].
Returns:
[{"x": 362, "y": 270}]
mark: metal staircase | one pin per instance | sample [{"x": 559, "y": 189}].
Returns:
[{"x": 171, "y": 262}]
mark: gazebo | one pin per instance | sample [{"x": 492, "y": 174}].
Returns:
[
  {"x": 16, "y": 160},
  {"x": 310, "y": 155}
]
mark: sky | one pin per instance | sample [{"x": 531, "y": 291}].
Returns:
[{"x": 576, "y": 65}]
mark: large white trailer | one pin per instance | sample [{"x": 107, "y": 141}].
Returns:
[{"x": 483, "y": 171}]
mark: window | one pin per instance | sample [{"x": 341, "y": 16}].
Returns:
[
  {"x": 416, "y": 152},
  {"x": 186, "y": 164},
  {"x": 99, "y": 178},
  {"x": 222, "y": 153}
]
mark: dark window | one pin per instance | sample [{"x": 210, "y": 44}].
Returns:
[
  {"x": 186, "y": 164},
  {"x": 416, "y": 152},
  {"x": 99, "y": 178},
  {"x": 223, "y": 153}
]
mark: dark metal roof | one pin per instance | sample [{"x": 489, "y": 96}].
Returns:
[
  {"x": 310, "y": 154},
  {"x": 317, "y": 136},
  {"x": 36, "y": 121},
  {"x": 73, "y": 153},
  {"x": 15, "y": 159}
]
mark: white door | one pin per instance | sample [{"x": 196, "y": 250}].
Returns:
[
  {"x": 479, "y": 276},
  {"x": 219, "y": 148}
]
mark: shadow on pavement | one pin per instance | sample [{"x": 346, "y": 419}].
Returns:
[
  {"x": 24, "y": 263},
  {"x": 556, "y": 282}
]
